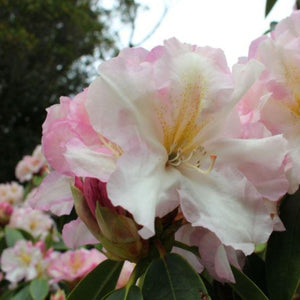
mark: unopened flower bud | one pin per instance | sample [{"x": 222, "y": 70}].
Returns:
[
  {"x": 6, "y": 211},
  {"x": 112, "y": 226},
  {"x": 59, "y": 295}
]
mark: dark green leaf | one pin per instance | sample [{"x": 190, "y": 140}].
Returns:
[
  {"x": 171, "y": 277},
  {"x": 26, "y": 235},
  {"x": 245, "y": 287},
  {"x": 269, "y": 6},
  {"x": 255, "y": 269},
  {"x": 23, "y": 294},
  {"x": 98, "y": 282},
  {"x": 39, "y": 289},
  {"x": 283, "y": 252},
  {"x": 12, "y": 235},
  {"x": 134, "y": 293},
  {"x": 2, "y": 244},
  {"x": 9, "y": 294}
]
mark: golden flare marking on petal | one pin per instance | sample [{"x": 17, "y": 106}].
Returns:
[
  {"x": 292, "y": 78},
  {"x": 184, "y": 126},
  {"x": 181, "y": 123}
]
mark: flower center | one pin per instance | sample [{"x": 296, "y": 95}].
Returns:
[{"x": 193, "y": 159}]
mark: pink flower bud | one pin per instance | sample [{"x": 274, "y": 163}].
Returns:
[
  {"x": 6, "y": 211},
  {"x": 112, "y": 226},
  {"x": 59, "y": 295}
]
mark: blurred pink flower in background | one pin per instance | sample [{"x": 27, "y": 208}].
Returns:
[
  {"x": 36, "y": 222},
  {"x": 26, "y": 261},
  {"x": 6, "y": 211},
  {"x": 58, "y": 295},
  {"x": 11, "y": 192},
  {"x": 30, "y": 165},
  {"x": 73, "y": 265}
]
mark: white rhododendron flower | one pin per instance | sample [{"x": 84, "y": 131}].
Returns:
[
  {"x": 167, "y": 116},
  {"x": 272, "y": 106},
  {"x": 36, "y": 222},
  {"x": 26, "y": 261},
  {"x": 30, "y": 165},
  {"x": 160, "y": 130}
]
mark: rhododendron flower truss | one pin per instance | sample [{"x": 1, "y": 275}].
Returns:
[
  {"x": 273, "y": 103},
  {"x": 167, "y": 118}
]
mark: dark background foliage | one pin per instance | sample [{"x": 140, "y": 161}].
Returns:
[{"x": 45, "y": 50}]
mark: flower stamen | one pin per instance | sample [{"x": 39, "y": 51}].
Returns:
[{"x": 204, "y": 171}]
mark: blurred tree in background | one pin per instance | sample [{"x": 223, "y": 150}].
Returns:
[{"x": 43, "y": 48}]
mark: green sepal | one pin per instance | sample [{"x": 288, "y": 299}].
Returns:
[
  {"x": 119, "y": 235},
  {"x": 84, "y": 213}
]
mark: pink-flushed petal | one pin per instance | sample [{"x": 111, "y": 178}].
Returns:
[
  {"x": 260, "y": 160},
  {"x": 54, "y": 194},
  {"x": 226, "y": 203},
  {"x": 127, "y": 82},
  {"x": 273, "y": 208},
  {"x": 143, "y": 186},
  {"x": 85, "y": 162},
  {"x": 53, "y": 143},
  {"x": 66, "y": 121},
  {"x": 244, "y": 77},
  {"x": 290, "y": 26},
  {"x": 76, "y": 234},
  {"x": 214, "y": 256},
  {"x": 183, "y": 235}
]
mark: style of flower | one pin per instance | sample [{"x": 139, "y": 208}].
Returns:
[
  {"x": 36, "y": 222},
  {"x": 272, "y": 106},
  {"x": 26, "y": 261},
  {"x": 30, "y": 165},
  {"x": 11, "y": 192}
]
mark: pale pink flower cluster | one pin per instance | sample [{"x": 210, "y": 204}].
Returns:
[
  {"x": 36, "y": 222},
  {"x": 30, "y": 165},
  {"x": 272, "y": 106},
  {"x": 26, "y": 261},
  {"x": 11, "y": 192},
  {"x": 174, "y": 127},
  {"x": 74, "y": 265}
]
